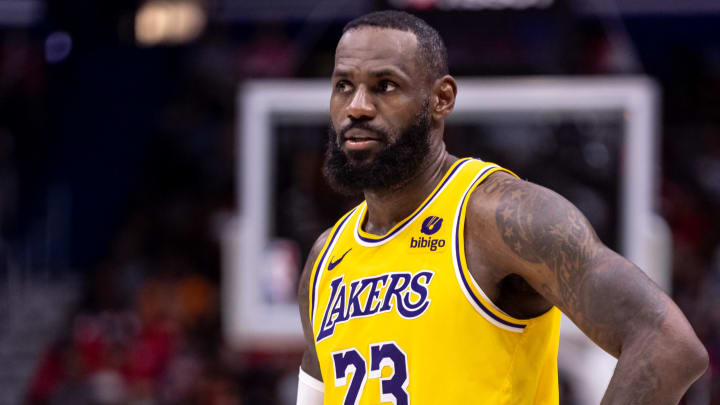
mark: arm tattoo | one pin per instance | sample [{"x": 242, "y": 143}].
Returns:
[
  {"x": 538, "y": 229},
  {"x": 602, "y": 292}
]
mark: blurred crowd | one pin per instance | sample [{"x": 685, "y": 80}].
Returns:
[{"x": 146, "y": 150}]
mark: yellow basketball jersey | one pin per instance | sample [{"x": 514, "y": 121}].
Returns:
[{"x": 398, "y": 319}]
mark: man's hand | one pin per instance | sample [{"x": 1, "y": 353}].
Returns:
[{"x": 535, "y": 233}]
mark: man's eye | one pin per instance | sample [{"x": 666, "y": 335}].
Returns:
[
  {"x": 387, "y": 85},
  {"x": 342, "y": 86}
]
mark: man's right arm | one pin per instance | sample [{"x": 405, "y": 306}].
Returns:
[{"x": 310, "y": 364}]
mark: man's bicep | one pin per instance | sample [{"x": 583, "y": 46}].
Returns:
[
  {"x": 310, "y": 362},
  {"x": 556, "y": 250}
]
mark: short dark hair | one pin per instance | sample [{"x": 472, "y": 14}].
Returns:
[{"x": 431, "y": 48}]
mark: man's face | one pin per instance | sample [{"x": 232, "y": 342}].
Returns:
[{"x": 379, "y": 131}]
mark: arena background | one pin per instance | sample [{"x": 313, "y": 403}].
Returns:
[{"x": 119, "y": 172}]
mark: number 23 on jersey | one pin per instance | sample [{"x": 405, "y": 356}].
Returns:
[{"x": 393, "y": 388}]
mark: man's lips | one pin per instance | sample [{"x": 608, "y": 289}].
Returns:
[
  {"x": 361, "y": 139},
  {"x": 361, "y": 136}
]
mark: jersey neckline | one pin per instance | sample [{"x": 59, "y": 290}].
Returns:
[{"x": 368, "y": 239}]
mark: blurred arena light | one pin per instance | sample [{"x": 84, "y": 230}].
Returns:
[
  {"x": 629, "y": 7},
  {"x": 57, "y": 46},
  {"x": 471, "y": 4},
  {"x": 21, "y": 12},
  {"x": 283, "y": 10},
  {"x": 169, "y": 22}
]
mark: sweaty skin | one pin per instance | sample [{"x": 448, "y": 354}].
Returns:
[{"x": 527, "y": 247}]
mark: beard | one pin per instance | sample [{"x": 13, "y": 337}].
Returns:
[{"x": 392, "y": 168}]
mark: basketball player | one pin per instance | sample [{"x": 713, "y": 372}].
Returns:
[{"x": 445, "y": 285}]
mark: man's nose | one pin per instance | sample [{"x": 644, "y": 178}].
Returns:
[{"x": 361, "y": 106}]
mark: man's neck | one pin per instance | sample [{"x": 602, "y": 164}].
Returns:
[{"x": 387, "y": 208}]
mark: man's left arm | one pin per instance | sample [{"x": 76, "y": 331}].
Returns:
[{"x": 546, "y": 240}]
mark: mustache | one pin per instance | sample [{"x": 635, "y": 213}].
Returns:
[{"x": 362, "y": 125}]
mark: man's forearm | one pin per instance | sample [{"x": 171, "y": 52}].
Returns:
[{"x": 656, "y": 370}]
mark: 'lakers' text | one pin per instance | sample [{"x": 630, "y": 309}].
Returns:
[{"x": 404, "y": 292}]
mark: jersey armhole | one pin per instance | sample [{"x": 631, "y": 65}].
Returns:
[
  {"x": 320, "y": 261},
  {"x": 472, "y": 291}
]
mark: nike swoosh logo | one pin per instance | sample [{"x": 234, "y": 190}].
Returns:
[{"x": 332, "y": 263}]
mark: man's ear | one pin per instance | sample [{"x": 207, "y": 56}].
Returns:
[{"x": 444, "y": 91}]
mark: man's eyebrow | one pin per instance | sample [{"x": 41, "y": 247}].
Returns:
[
  {"x": 390, "y": 72},
  {"x": 382, "y": 72},
  {"x": 341, "y": 73}
]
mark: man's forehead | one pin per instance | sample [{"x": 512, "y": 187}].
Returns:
[{"x": 377, "y": 45}]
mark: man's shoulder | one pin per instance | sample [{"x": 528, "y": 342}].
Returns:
[
  {"x": 503, "y": 194},
  {"x": 485, "y": 203},
  {"x": 510, "y": 211},
  {"x": 312, "y": 256},
  {"x": 485, "y": 198},
  {"x": 318, "y": 245},
  {"x": 523, "y": 216}
]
